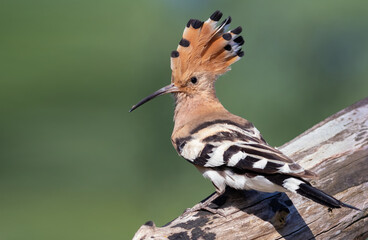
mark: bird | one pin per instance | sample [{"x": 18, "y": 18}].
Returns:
[{"x": 227, "y": 149}]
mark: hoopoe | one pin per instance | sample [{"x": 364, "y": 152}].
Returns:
[{"x": 227, "y": 149}]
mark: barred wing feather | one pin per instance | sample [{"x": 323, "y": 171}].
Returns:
[{"x": 226, "y": 144}]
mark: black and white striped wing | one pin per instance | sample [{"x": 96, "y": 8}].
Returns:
[{"x": 227, "y": 144}]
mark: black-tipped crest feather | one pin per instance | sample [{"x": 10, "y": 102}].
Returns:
[
  {"x": 227, "y": 36},
  {"x": 237, "y": 30},
  {"x": 240, "y": 53},
  {"x": 184, "y": 43},
  {"x": 216, "y": 16},
  {"x": 239, "y": 40},
  {"x": 174, "y": 54},
  {"x": 203, "y": 47},
  {"x": 227, "y": 47},
  {"x": 196, "y": 23}
]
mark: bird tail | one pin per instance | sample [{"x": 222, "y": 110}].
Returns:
[
  {"x": 307, "y": 190},
  {"x": 304, "y": 188}
]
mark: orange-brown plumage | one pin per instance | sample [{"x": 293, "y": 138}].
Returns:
[
  {"x": 201, "y": 50},
  {"x": 226, "y": 148}
]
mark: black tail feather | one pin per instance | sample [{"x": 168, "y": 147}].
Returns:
[
  {"x": 349, "y": 206},
  {"x": 320, "y": 197}
]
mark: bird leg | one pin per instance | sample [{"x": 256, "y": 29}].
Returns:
[{"x": 204, "y": 205}]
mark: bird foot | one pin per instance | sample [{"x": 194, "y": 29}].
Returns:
[{"x": 201, "y": 206}]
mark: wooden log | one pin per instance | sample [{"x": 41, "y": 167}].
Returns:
[{"x": 337, "y": 150}]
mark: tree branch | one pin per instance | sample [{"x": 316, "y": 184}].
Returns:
[{"x": 337, "y": 150}]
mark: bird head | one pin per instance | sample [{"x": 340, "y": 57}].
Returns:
[{"x": 205, "y": 52}]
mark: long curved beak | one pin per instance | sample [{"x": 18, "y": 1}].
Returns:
[{"x": 167, "y": 89}]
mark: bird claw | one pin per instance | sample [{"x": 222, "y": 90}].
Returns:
[{"x": 201, "y": 206}]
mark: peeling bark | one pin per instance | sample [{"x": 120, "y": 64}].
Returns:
[{"x": 337, "y": 150}]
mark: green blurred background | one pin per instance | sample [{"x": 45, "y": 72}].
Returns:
[{"x": 74, "y": 164}]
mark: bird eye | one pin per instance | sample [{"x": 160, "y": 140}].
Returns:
[{"x": 194, "y": 80}]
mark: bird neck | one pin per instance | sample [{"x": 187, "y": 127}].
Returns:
[{"x": 188, "y": 108}]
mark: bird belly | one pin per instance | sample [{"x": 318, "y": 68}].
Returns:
[
  {"x": 224, "y": 178},
  {"x": 258, "y": 182},
  {"x": 216, "y": 177}
]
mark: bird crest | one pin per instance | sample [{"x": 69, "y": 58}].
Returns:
[{"x": 206, "y": 48}]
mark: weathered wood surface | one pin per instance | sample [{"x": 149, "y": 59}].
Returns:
[{"x": 337, "y": 150}]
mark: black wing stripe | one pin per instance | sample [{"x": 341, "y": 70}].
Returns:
[
  {"x": 276, "y": 153},
  {"x": 247, "y": 127},
  {"x": 256, "y": 152},
  {"x": 230, "y": 152},
  {"x": 262, "y": 146},
  {"x": 229, "y": 136},
  {"x": 180, "y": 143},
  {"x": 204, "y": 156},
  {"x": 246, "y": 163},
  {"x": 273, "y": 166},
  {"x": 219, "y": 137}
]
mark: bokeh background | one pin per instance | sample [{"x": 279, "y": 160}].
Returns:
[{"x": 74, "y": 164}]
